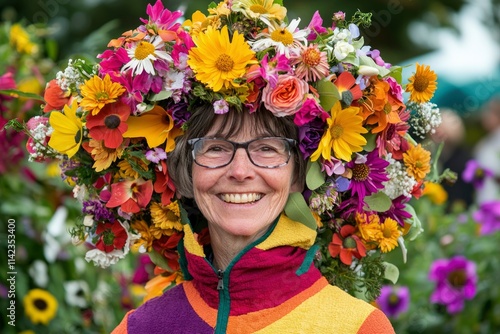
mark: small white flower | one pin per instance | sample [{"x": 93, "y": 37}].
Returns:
[
  {"x": 368, "y": 70},
  {"x": 76, "y": 293},
  {"x": 88, "y": 220},
  {"x": 38, "y": 272}
]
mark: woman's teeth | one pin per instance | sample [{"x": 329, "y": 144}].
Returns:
[{"x": 240, "y": 198}]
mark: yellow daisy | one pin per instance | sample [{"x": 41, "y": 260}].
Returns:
[
  {"x": 166, "y": 219},
  {"x": 127, "y": 171},
  {"x": 369, "y": 227},
  {"x": 343, "y": 135},
  {"x": 418, "y": 162},
  {"x": 98, "y": 92},
  {"x": 103, "y": 156},
  {"x": 40, "y": 306},
  {"x": 254, "y": 9},
  {"x": 422, "y": 84},
  {"x": 67, "y": 135},
  {"x": 146, "y": 240},
  {"x": 217, "y": 61},
  {"x": 389, "y": 237}
]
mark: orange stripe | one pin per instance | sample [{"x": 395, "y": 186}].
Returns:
[
  {"x": 251, "y": 322},
  {"x": 204, "y": 311},
  {"x": 122, "y": 327},
  {"x": 376, "y": 322}
]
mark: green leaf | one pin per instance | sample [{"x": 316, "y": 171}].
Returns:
[
  {"x": 17, "y": 93},
  {"x": 159, "y": 260},
  {"x": 163, "y": 95},
  {"x": 314, "y": 176},
  {"x": 391, "y": 272},
  {"x": 368, "y": 61},
  {"x": 297, "y": 209},
  {"x": 414, "y": 221},
  {"x": 328, "y": 94},
  {"x": 378, "y": 202},
  {"x": 371, "y": 141}
]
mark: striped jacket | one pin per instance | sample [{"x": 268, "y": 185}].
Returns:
[{"x": 272, "y": 286}]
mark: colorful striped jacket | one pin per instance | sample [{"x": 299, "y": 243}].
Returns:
[{"x": 272, "y": 286}]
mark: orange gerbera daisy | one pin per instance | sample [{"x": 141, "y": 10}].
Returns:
[
  {"x": 109, "y": 124},
  {"x": 417, "y": 161},
  {"x": 422, "y": 84},
  {"x": 98, "y": 92}
]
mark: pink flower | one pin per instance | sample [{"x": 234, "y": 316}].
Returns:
[
  {"x": 131, "y": 196},
  {"x": 316, "y": 27},
  {"x": 309, "y": 111},
  {"x": 287, "y": 97}
]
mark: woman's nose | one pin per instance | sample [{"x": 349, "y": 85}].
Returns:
[{"x": 241, "y": 167}]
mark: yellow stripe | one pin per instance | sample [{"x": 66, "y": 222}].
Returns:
[
  {"x": 289, "y": 233},
  {"x": 330, "y": 311},
  {"x": 190, "y": 242}
]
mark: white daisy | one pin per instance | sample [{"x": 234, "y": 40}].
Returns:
[
  {"x": 144, "y": 53},
  {"x": 285, "y": 39}
]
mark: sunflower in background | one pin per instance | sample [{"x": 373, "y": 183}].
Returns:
[{"x": 40, "y": 306}]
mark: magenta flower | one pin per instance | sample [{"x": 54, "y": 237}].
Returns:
[
  {"x": 6, "y": 82},
  {"x": 476, "y": 174},
  {"x": 368, "y": 174},
  {"x": 162, "y": 17},
  {"x": 316, "y": 27},
  {"x": 310, "y": 110},
  {"x": 394, "y": 300},
  {"x": 397, "y": 210},
  {"x": 456, "y": 281},
  {"x": 488, "y": 216}
]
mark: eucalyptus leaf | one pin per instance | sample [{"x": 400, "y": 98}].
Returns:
[
  {"x": 314, "y": 176},
  {"x": 328, "y": 94},
  {"x": 163, "y": 95},
  {"x": 378, "y": 202},
  {"x": 414, "y": 221},
  {"x": 391, "y": 272},
  {"x": 159, "y": 260},
  {"x": 297, "y": 209},
  {"x": 368, "y": 61}
]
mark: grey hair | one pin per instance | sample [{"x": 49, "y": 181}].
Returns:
[{"x": 180, "y": 160}]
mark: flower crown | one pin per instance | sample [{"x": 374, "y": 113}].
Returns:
[{"x": 113, "y": 124}]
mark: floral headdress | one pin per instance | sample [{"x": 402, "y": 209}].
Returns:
[{"x": 113, "y": 124}]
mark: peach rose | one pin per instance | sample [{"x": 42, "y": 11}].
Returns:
[{"x": 286, "y": 97}]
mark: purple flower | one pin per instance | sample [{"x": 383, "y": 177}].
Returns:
[
  {"x": 221, "y": 106},
  {"x": 476, "y": 174},
  {"x": 98, "y": 210},
  {"x": 368, "y": 174},
  {"x": 309, "y": 136},
  {"x": 156, "y": 154},
  {"x": 316, "y": 27},
  {"x": 455, "y": 282},
  {"x": 394, "y": 300},
  {"x": 397, "y": 210},
  {"x": 488, "y": 216}
]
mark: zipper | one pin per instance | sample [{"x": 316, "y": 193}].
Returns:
[
  {"x": 223, "y": 311},
  {"x": 220, "y": 276}
]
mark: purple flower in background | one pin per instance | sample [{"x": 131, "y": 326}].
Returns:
[
  {"x": 488, "y": 216},
  {"x": 475, "y": 174},
  {"x": 394, "y": 300},
  {"x": 455, "y": 282}
]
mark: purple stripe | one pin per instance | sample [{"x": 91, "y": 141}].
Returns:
[{"x": 169, "y": 313}]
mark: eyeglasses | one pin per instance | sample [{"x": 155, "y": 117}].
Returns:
[{"x": 266, "y": 152}]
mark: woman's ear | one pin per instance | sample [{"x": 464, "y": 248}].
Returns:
[{"x": 297, "y": 185}]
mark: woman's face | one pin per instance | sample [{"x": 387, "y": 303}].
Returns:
[{"x": 242, "y": 199}]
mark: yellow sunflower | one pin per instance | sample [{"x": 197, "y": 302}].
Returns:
[
  {"x": 67, "y": 135},
  {"x": 40, "y": 306},
  {"x": 388, "y": 239},
  {"x": 217, "y": 61},
  {"x": 254, "y": 9},
  {"x": 98, "y": 92},
  {"x": 343, "y": 135},
  {"x": 422, "y": 84},
  {"x": 166, "y": 219},
  {"x": 418, "y": 162}
]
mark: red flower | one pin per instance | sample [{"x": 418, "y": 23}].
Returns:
[
  {"x": 109, "y": 124},
  {"x": 111, "y": 236},
  {"x": 163, "y": 184},
  {"x": 55, "y": 97},
  {"x": 167, "y": 247},
  {"x": 350, "y": 91},
  {"x": 347, "y": 244},
  {"x": 131, "y": 196}
]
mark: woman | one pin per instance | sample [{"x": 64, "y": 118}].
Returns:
[{"x": 257, "y": 275}]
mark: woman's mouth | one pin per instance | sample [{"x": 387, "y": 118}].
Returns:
[{"x": 240, "y": 198}]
